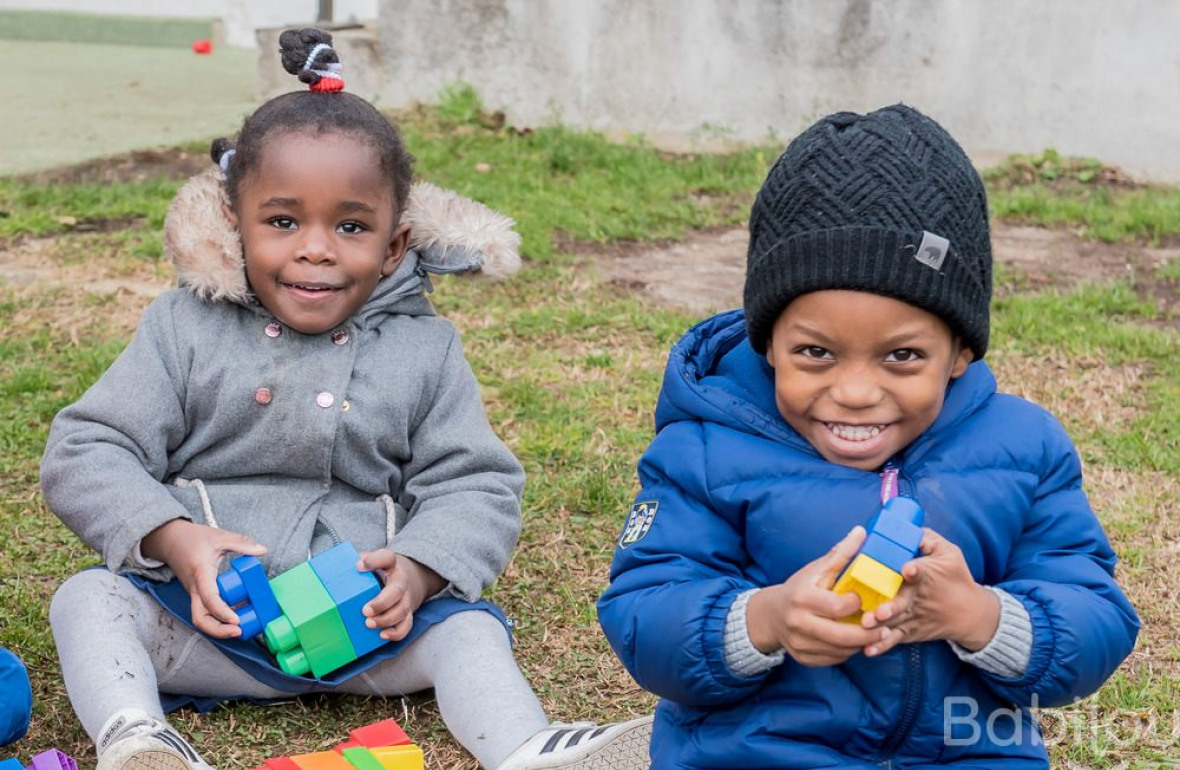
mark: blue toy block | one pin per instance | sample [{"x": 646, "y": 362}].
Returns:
[
  {"x": 350, "y": 589},
  {"x": 245, "y": 588},
  {"x": 886, "y": 552},
  {"x": 12, "y": 763},
  {"x": 900, "y": 519}
]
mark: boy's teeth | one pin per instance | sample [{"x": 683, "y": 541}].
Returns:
[{"x": 854, "y": 432}]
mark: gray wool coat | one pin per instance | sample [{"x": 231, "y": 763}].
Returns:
[{"x": 373, "y": 433}]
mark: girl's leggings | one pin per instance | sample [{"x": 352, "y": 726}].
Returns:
[{"x": 118, "y": 646}]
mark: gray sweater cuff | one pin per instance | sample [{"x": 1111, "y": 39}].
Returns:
[
  {"x": 741, "y": 656},
  {"x": 1008, "y": 653}
]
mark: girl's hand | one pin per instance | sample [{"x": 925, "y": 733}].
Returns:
[
  {"x": 939, "y": 600},
  {"x": 802, "y": 615},
  {"x": 407, "y": 585},
  {"x": 193, "y": 552}
]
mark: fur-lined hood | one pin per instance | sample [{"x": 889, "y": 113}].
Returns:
[{"x": 450, "y": 233}]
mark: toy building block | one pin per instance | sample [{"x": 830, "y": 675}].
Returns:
[
  {"x": 362, "y": 759},
  {"x": 384, "y": 733},
  {"x": 245, "y": 588},
  {"x": 894, "y": 534},
  {"x": 12, "y": 763},
  {"x": 321, "y": 760},
  {"x": 407, "y": 757},
  {"x": 53, "y": 760},
  {"x": 309, "y": 635},
  {"x": 280, "y": 763},
  {"x": 350, "y": 589}
]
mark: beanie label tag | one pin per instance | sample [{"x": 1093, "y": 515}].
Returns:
[{"x": 932, "y": 250}]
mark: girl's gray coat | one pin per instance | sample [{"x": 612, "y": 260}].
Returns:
[{"x": 373, "y": 432}]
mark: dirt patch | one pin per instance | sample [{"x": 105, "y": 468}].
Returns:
[
  {"x": 133, "y": 167},
  {"x": 704, "y": 273}
]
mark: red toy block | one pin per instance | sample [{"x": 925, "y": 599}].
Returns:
[
  {"x": 281, "y": 763},
  {"x": 384, "y": 733}
]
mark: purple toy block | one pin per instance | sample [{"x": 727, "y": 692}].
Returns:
[
  {"x": 245, "y": 588},
  {"x": 53, "y": 760}
]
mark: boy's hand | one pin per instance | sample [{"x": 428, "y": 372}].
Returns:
[
  {"x": 939, "y": 600},
  {"x": 802, "y": 615},
  {"x": 407, "y": 585},
  {"x": 193, "y": 552}
]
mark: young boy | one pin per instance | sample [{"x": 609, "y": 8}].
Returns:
[{"x": 856, "y": 374}]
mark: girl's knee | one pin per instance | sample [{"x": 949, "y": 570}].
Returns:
[{"x": 81, "y": 594}]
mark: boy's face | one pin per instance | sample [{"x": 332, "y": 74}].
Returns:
[
  {"x": 318, "y": 228},
  {"x": 860, "y": 376}
]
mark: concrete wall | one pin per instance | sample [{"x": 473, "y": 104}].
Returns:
[
  {"x": 239, "y": 17},
  {"x": 1087, "y": 77}
]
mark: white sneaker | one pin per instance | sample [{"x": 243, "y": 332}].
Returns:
[
  {"x": 133, "y": 740},
  {"x": 619, "y": 746}
]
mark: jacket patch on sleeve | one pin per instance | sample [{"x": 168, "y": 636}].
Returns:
[{"x": 638, "y": 522}]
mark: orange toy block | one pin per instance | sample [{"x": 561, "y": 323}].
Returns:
[
  {"x": 321, "y": 760},
  {"x": 407, "y": 757}
]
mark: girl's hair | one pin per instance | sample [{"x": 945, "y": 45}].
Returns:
[{"x": 316, "y": 113}]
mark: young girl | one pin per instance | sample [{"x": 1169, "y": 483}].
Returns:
[
  {"x": 298, "y": 391},
  {"x": 853, "y": 376}
]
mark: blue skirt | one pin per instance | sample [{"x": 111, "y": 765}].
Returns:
[{"x": 254, "y": 659}]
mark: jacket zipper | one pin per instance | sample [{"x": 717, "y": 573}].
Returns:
[{"x": 892, "y": 485}]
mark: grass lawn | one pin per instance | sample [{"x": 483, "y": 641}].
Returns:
[{"x": 570, "y": 365}]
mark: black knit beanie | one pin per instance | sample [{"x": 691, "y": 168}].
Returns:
[{"x": 886, "y": 203}]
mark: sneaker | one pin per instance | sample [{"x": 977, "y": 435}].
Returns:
[
  {"x": 137, "y": 741},
  {"x": 620, "y": 746}
]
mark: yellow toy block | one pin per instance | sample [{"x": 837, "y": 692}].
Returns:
[
  {"x": 872, "y": 581},
  {"x": 321, "y": 760},
  {"x": 404, "y": 757}
]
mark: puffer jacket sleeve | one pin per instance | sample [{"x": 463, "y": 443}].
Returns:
[
  {"x": 1062, "y": 570},
  {"x": 462, "y": 486},
  {"x": 107, "y": 453},
  {"x": 671, "y": 589}
]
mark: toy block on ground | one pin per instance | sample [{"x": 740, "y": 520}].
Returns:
[
  {"x": 361, "y": 759},
  {"x": 309, "y": 636},
  {"x": 321, "y": 760},
  {"x": 387, "y": 732},
  {"x": 875, "y": 572},
  {"x": 407, "y": 757},
  {"x": 12, "y": 763},
  {"x": 244, "y": 587},
  {"x": 53, "y": 760},
  {"x": 350, "y": 589},
  {"x": 280, "y": 763}
]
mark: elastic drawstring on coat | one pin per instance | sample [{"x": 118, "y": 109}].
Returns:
[{"x": 206, "y": 506}]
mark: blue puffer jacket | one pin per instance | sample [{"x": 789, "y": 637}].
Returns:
[{"x": 741, "y": 501}]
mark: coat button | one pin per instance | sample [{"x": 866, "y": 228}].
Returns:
[
  {"x": 340, "y": 336},
  {"x": 263, "y": 396},
  {"x": 273, "y": 330},
  {"x": 325, "y": 399}
]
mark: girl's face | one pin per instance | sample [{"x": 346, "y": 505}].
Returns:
[
  {"x": 860, "y": 376},
  {"x": 318, "y": 225}
]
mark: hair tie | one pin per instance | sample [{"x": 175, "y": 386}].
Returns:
[
  {"x": 329, "y": 79},
  {"x": 224, "y": 162}
]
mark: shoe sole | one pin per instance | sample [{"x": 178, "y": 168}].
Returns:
[
  {"x": 628, "y": 750},
  {"x": 151, "y": 759}
]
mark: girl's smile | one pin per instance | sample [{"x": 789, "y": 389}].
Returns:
[{"x": 319, "y": 228}]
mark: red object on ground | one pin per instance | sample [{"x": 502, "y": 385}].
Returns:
[{"x": 204, "y": 47}]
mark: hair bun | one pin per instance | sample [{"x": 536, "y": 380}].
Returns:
[{"x": 308, "y": 54}]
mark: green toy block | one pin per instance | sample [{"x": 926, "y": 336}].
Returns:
[
  {"x": 310, "y": 636},
  {"x": 362, "y": 759}
]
